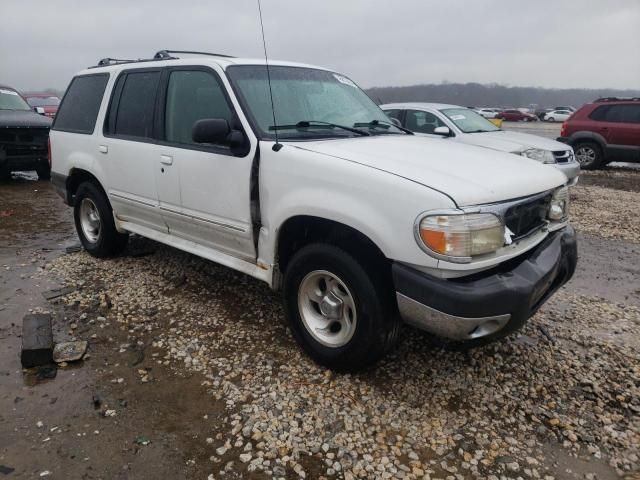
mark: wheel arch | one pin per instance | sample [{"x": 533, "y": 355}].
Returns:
[
  {"x": 300, "y": 230},
  {"x": 580, "y": 136},
  {"x": 75, "y": 178}
]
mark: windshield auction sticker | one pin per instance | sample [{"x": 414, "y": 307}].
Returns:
[
  {"x": 344, "y": 80},
  {"x": 8, "y": 92}
]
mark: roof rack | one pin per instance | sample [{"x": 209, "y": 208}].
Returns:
[
  {"x": 160, "y": 55},
  {"x": 166, "y": 54},
  {"x": 618, "y": 99}
]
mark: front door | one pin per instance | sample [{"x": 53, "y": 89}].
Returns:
[{"x": 203, "y": 188}]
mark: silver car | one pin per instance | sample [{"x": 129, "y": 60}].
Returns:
[{"x": 461, "y": 124}]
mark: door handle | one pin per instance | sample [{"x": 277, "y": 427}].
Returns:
[
  {"x": 103, "y": 149},
  {"x": 166, "y": 159}
]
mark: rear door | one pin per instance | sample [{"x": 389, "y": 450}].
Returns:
[
  {"x": 203, "y": 188},
  {"x": 129, "y": 149},
  {"x": 624, "y": 129}
]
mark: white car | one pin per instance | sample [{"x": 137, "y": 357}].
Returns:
[
  {"x": 487, "y": 112},
  {"x": 360, "y": 223},
  {"x": 462, "y": 125},
  {"x": 557, "y": 115}
]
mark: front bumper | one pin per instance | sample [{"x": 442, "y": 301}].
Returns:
[
  {"x": 571, "y": 171},
  {"x": 495, "y": 302}
]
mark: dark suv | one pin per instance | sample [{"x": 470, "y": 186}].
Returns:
[
  {"x": 24, "y": 136},
  {"x": 604, "y": 131}
]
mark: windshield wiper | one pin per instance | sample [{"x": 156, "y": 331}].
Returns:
[
  {"x": 483, "y": 131},
  {"x": 317, "y": 123},
  {"x": 381, "y": 124}
]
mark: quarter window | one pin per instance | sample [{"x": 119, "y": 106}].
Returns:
[
  {"x": 134, "y": 117},
  {"x": 79, "y": 109},
  {"x": 193, "y": 96}
]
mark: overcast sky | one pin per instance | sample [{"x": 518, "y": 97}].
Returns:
[{"x": 561, "y": 43}]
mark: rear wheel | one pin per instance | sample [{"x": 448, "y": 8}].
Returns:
[
  {"x": 589, "y": 155},
  {"x": 341, "y": 313},
  {"x": 94, "y": 222}
]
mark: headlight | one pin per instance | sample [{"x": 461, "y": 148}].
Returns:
[
  {"x": 544, "y": 156},
  {"x": 559, "y": 208},
  {"x": 461, "y": 235}
]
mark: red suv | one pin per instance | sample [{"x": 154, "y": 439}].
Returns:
[
  {"x": 607, "y": 130},
  {"x": 516, "y": 116}
]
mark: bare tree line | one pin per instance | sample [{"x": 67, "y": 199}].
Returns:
[{"x": 493, "y": 95}]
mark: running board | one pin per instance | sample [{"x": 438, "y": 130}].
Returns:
[{"x": 259, "y": 271}]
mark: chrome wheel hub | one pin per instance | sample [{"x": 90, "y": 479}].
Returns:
[
  {"x": 585, "y": 155},
  {"x": 90, "y": 220},
  {"x": 327, "y": 308}
]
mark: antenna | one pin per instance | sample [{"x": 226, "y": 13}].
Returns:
[{"x": 277, "y": 146}]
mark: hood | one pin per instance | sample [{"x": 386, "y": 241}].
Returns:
[
  {"x": 510, "y": 141},
  {"x": 468, "y": 174},
  {"x": 23, "y": 119}
]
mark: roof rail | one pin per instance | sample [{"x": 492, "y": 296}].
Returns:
[
  {"x": 113, "y": 61},
  {"x": 618, "y": 99},
  {"x": 166, "y": 54}
]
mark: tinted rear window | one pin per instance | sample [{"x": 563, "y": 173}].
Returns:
[
  {"x": 81, "y": 104},
  {"x": 134, "y": 117}
]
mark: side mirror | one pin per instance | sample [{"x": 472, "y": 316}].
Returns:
[
  {"x": 218, "y": 130},
  {"x": 210, "y": 130},
  {"x": 395, "y": 121},
  {"x": 444, "y": 131}
]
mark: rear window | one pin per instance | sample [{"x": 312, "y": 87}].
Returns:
[{"x": 81, "y": 104}]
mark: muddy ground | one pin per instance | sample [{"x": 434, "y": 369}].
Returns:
[{"x": 423, "y": 413}]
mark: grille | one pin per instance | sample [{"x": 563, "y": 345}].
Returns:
[
  {"x": 525, "y": 218},
  {"x": 563, "y": 156},
  {"x": 20, "y": 141}
]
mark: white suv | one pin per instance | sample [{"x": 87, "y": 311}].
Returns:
[{"x": 358, "y": 222}]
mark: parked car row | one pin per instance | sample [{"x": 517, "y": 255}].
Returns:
[{"x": 361, "y": 223}]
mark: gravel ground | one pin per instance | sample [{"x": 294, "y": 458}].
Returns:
[
  {"x": 568, "y": 383},
  {"x": 606, "y": 212}
]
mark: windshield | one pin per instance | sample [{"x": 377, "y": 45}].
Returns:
[
  {"x": 43, "y": 101},
  {"x": 302, "y": 96},
  {"x": 10, "y": 100},
  {"x": 469, "y": 121}
]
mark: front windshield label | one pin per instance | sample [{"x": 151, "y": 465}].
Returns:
[
  {"x": 344, "y": 80},
  {"x": 457, "y": 117},
  {"x": 8, "y": 92}
]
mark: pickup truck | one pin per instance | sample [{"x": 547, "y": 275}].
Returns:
[{"x": 291, "y": 174}]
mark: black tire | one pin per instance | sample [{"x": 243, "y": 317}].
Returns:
[
  {"x": 44, "y": 172},
  {"x": 551, "y": 119},
  {"x": 377, "y": 320},
  {"x": 108, "y": 241},
  {"x": 5, "y": 175},
  {"x": 589, "y": 155}
]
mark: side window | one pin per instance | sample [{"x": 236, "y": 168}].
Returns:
[
  {"x": 397, "y": 114},
  {"x": 422, "y": 122},
  {"x": 79, "y": 109},
  {"x": 136, "y": 106},
  {"x": 192, "y": 96},
  {"x": 623, "y": 114}
]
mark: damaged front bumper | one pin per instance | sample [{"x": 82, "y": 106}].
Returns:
[{"x": 490, "y": 303}]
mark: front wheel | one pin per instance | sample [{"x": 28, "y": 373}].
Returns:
[
  {"x": 341, "y": 313},
  {"x": 551, "y": 119},
  {"x": 94, "y": 222}
]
